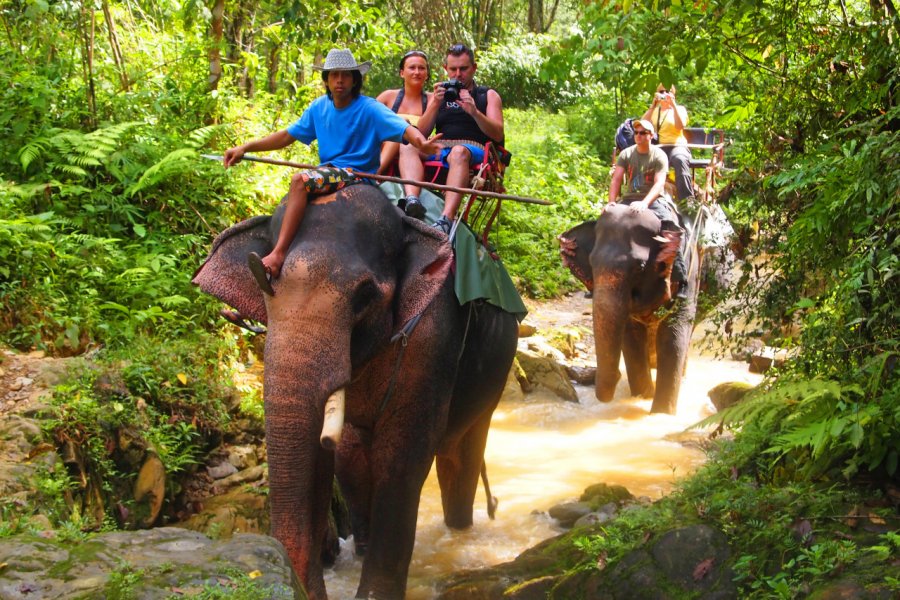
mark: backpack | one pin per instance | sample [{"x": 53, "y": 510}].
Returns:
[{"x": 625, "y": 135}]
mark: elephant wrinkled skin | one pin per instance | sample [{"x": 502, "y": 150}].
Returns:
[
  {"x": 625, "y": 257},
  {"x": 357, "y": 271}
]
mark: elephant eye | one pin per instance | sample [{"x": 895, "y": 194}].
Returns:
[{"x": 366, "y": 292}]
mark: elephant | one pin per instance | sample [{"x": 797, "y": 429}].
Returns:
[
  {"x": 625, "y": 258},
  {"x": 364, "y": 322}
]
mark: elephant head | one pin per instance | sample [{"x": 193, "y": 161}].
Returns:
[
  {"x": 625, "y": 258},
  {"x": 356, "y": 271}
]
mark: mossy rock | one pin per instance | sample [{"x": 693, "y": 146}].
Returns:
[
  {"x": 602, "y": 493},
  {"x": 725, "y": 395}
]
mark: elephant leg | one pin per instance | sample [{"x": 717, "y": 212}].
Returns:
[
  {"x": 401, "y": 459},
  {"x": 637, "y": 359},
  {"x": 673, "y": 339},
  {"x": 353, "y": 469},
  {"x": 300, "y": 485},
  {"x": 483, "y": 369},
  {"x": 458, "y": 475}
]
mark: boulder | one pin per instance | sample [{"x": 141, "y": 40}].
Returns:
[
  {"x": 725, "y": 395},
  {"x": 582, "y": 375},
  {"x": 567, "y": 513},
  {"x": 601, "y": 494},
  {"x": 240, "y": 510},
  {"x": 526, "y": 330},
  {"x": 545, "y": 372},
  {"x": 512, "y": 391},
  {"x": 146, "y": 565}
]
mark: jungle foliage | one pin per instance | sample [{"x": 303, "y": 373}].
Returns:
[{"x": 106, "y": 207}]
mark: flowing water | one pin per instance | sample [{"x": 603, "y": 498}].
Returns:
[{"x": 544, "y": 451}]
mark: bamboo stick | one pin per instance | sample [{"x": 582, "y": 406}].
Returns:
[{"x": 425, "y": 184}]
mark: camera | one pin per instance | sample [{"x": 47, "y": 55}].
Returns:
[{"x": 452, "y": 88}]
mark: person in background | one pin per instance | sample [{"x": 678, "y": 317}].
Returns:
[
  {"x": 639, "y": 180},
  {"x": 670, "y": 118},
  {"x": 467, "y": 116},
  {"x": 350, "y": 129},
  {"x": 409, "y": 102}
]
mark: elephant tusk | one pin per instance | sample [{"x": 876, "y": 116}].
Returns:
[{"x": 334, "y": 420}]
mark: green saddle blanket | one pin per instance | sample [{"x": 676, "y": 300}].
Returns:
[{"x": 478, "y": 275}]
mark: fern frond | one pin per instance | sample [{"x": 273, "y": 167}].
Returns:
[
  {"x": 70, "y": 169},
  {"x": 173, "y": 163},
  {"x": 199, "y": 137},
  {"x": 32, "y": 151}
]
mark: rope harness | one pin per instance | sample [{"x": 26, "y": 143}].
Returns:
[{"x": 403, "y": 337}]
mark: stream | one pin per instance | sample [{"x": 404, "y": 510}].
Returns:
[{"x": 544, "y": 451}]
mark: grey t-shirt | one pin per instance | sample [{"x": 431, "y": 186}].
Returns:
[{"x": 640, "y": 170}]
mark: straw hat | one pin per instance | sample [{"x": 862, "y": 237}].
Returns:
[{"x": 342, "y": 60}]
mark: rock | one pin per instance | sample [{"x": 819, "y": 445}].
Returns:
[
  {"x": 526, "y": 330},
  {"x": 564, "y": 340},
  {"x": 512, "y": 391},
  {"x": 582, "y": 375},
  {"x": 568, "y": 513},
  {"x": 750, "y": 347},
  {"x": 769, "y": 357},
  {"x": 242, "y": 456},
  {"x": 237, "y": 511},
  {"x": 150, "y": 489},
  {"x": 20, "y": 382},
  {"x": 726, "y": 395},
  {"x": 593, "y": 518},
  {"x": 544, "y": 371},
  {"x": 221, "y": 470},
  {"x": 246, "y": 476},
  {"x": 689, "y": 562},
  {"x": 601, "y": 494},
  {"x": 171, "y": 562},
  {"x": 762, "y": 360}
]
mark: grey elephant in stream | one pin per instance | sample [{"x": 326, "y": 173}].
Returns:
[
  {"x": 625, "y": 258},
  {"x": 356, "y": 273}
]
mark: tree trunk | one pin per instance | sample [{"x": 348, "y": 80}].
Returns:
[
  {"x": 215, "y": 44},
  {"x": 536, "y": 16},
  {"x": 115, "y": 47},
  {"x": 86, "y": 24},
  {"x": 537, "y": 23},
  {"x": 272, "y": 68}
]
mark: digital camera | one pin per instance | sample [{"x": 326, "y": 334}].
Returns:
[{"x": 452, "y": 86}]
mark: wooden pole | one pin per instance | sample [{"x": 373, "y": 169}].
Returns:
[{"x": 425, "y": 184}]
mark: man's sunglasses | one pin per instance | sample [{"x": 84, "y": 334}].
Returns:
[{"x": 642, "y": 132}]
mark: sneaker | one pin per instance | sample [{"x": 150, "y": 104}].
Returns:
[
  {"x": 414, "y": 208},
  {"x": 443, "y": 224}
]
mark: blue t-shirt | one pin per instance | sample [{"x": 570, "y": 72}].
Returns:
[{"x": 349, "y": 137}]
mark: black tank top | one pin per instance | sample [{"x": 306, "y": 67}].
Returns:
[
  {"x": 399, "y": 100},
  {"x": 456, "y": 124}
]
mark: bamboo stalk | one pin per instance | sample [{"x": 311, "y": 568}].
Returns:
[{"x": 425, "y": 184}]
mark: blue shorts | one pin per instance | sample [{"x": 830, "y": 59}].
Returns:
[{"x": 477, "y": 155}]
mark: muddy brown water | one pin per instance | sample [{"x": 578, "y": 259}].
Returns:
[{"x": 544, "y": 451}]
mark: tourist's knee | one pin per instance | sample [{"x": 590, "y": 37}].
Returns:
[{"x": 459, "y": 155}]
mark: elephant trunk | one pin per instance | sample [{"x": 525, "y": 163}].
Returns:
[
  {"x": 334, "y": 420},
  {"x": 610, "y": 309}
]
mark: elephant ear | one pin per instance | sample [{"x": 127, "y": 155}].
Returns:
[
  {"x": 670, "y": 241},
  {"x": 224, "y": 273},
  {"x": 425, "y": 263},
  {"x": 575, "y": 247}
]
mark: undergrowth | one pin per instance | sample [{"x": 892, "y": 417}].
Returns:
[{"x": 788, "y": 535}]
